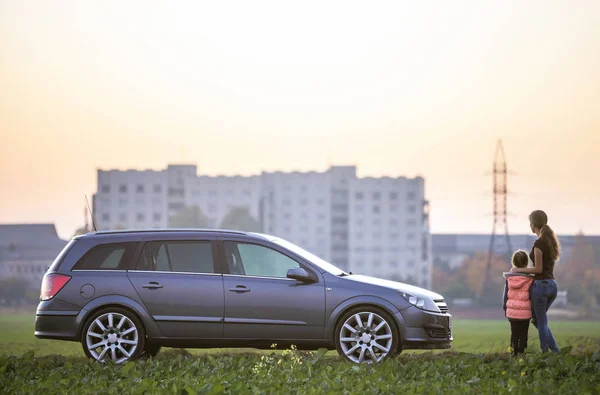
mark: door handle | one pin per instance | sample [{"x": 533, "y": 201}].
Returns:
[
  {"x": 240, "y": 288},
  {"x": 152, "y": 285}
]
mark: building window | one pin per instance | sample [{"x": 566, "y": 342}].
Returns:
[
  {"x": 393, "y": 263},
  {"x": 287, "y": 201},
  {"x": 376, "y": 195},
  {"x": 360, "y": 208},
  {"x": 376, "y": 263},
  {"x": 304, "y": 202},
  {"x": 393, "y": 208},
  {"x": 410, "y": 236},
  {"x": 123, "y": 217},
  {"x": 321, "y": 202},
  {"x": 140, "y": 217},
  {"x": 247, "y": 192},
  {"x": 359, "y": 236},
  {"x": 139, "y": 188},
  {"x": 393, "y": 222},
  {"x": 320, "y": 230},
  {"x": 105, "y": 188},
  {"x": 411, "y": 222},
  {"x": 212, "y": 193},
  {"x": 411, "y": 263},
  {"x": 156, "y": 216},
  {"x": 286, "y": 216},
  {"x": 321, "y": 217},
  {"x": 105, "y": 217},
  {"x": 157, "y": 188},
  {"x": 376, "y": 209},
  {"x": 393, "y": 196},
  {"x": 359, "y": 195},
  {"x": 123, "y": 188},
  {"x": 393, "y": 236},
  {"x": 376, "y": 222},
  {"x": 303, "y": 188},
  {"x": 412, "y": 209},
  {"x": 122, "y": 202},
  {"x": 410, "y": 195}
]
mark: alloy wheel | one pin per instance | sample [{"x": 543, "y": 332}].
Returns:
[
  {"x": 366, "y": 337},
  {"x": 112, "y": 336}
]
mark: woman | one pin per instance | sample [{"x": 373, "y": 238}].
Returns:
[{"x": 544, "y": 254}]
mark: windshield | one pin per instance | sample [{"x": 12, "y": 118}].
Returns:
[{"x": 323, "y": 264}]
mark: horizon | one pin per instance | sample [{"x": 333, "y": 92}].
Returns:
[{"x": 397, "y": 89}]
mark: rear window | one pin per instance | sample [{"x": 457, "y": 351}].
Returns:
[
  {"x": 177, "y": 256},
  {"x": 107, "y": 257},
  {"x": 61, "y": 257}
]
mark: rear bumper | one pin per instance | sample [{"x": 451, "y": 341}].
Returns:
[
  {"x": 424, "y": 330},
  {"x": 61, "y": 325}
]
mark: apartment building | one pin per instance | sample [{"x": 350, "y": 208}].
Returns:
[{"x": 371, "y": 226}]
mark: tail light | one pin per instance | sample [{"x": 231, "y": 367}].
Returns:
[{"x": 52, "y": 284}]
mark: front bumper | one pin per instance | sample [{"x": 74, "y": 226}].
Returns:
[{"x": 425, "y": 329}]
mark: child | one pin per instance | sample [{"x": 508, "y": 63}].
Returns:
[{"x": 517, "y": 305}]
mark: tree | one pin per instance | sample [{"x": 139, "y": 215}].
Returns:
[
  {"x": 470, "y": 276},
  {"x": 189, "y": 217},
  {"x": 239, "y": 218},
  {"x": 81, "y": 231},
  {"x": 579, "y": 275}
]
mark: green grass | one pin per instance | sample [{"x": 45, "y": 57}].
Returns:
[
  {"x": 478, "y": 363},
  {"x": 16, "y": 337}
]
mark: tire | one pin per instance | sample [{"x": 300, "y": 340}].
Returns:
[
  {"x": 362, "y": 344},
  {"x": 115, "y": 334}
]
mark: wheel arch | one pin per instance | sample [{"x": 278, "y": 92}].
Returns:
[
  {"x": 151, "y": 328},
  {"x": 362, "y": 301}
]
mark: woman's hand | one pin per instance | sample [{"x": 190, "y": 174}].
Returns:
[{"x": 514, "y": 270}]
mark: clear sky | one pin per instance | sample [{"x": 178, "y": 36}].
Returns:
[{"x": 396, "y": 88}]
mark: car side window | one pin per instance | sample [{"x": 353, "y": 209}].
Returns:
[
  {"x": 177, "y": 256},
  {"x": 112, "y": 256},
  {"x": 256, "y": 260}
]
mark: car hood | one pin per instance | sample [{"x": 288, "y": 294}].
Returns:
[{"x": 411, "y": 289}]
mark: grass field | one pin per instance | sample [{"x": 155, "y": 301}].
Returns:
[{"x": 478, "y": 362}]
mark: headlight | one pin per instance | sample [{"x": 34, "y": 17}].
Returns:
[{"x": 415, "y": 301}]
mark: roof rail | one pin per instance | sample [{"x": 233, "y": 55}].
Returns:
[{"x": 189, "y": 230}]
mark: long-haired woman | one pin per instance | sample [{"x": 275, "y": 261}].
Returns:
[{"x": 544, "y": 254}]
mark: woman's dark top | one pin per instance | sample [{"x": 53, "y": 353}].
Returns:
[{"x": 548, "y": 264}]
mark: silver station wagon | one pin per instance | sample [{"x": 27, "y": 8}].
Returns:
[{"x": 125, "y": 294}]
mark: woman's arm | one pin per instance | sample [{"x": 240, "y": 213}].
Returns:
[{"x": 538, "y": 264}]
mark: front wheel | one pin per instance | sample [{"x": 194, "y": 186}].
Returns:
[
  {"x": 113, "y": 334},
  {"x": 366, "y": 335}
]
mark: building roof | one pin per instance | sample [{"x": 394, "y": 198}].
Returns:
[{"x": 29, "y": 242}]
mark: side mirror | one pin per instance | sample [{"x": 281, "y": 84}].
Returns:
[{"x": 299, "y": 274}]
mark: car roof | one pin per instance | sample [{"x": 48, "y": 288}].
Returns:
[{"x": 169, "y": 231}]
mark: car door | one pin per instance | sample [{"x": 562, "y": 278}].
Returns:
[
  {"x": 261, "y": 303},
  {"x": 181, "y": 287}
]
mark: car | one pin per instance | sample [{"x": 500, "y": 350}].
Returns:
[{"x": 126, "y": 294}]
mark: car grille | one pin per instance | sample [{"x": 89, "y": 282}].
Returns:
[
  {"x": 438, "y": 333},
  {"x": 441, "y": 305}
]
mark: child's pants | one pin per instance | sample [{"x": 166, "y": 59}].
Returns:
[{"x": 518, "y": 335}]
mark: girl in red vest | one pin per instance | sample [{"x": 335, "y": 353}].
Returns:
[{"x": 517, "y": 304}]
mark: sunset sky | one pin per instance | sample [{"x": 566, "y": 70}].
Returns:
[{"x": 396, "y": 88}]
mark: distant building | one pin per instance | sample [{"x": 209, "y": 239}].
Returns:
[
  {"x": 373, "y": 226},
  {"x": 27, "y": 250},
  {"x": 452, "y": 249}
]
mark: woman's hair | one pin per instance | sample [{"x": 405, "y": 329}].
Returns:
[
  {"x": 539, "y": 220},
  {"x": 520, "y": 259}
]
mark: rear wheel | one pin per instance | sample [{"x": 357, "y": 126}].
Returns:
[
  {"x": 113, "y": 334},
  {"x": 366, "y": 335}
]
